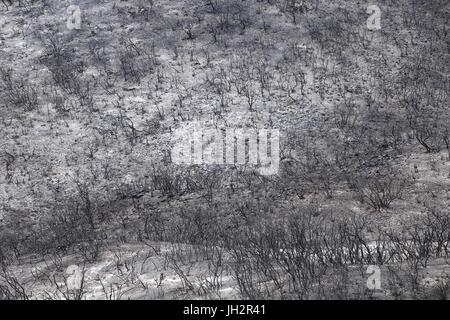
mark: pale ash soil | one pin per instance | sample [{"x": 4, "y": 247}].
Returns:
[{"x": 54, "y": 145}]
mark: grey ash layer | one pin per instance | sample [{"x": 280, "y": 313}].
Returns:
[{"x": 320, "y": 170}]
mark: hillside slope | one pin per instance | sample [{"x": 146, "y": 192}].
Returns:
[{"x": 88, "y": 118}]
